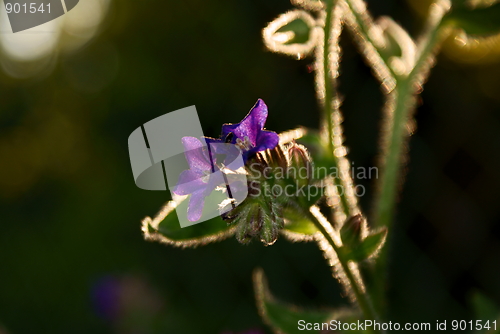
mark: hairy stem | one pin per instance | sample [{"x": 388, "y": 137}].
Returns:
[
  {"x": 399, "y": 113},
  {"x": 327, "y": 65},
  {"x": 328, "y": 93},
  {"x": 371, "y": 39},
  {"x": 355, "y": 281},
  {"x": 403, "y": 106},
  {"x": 394, "y": 149}
]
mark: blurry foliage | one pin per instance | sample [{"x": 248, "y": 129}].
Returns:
[
  {"x": 475, "y": 34},
  {"x": 70, "y": 212}
]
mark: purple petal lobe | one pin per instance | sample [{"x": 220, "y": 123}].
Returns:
[
  {"x": 196, "y": 154},
  {"x": 189, "y": 182},
  {"x": 250, "y": 125},
  {"x": 266, "y": 140},
  {"x": 195, "y": 207}
]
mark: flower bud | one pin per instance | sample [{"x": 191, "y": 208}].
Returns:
[
  {"x": 256, "y": 219},
  {"x": 300, "y": 168},
  {"x": 351, "y": 231},
  {"x": 276, "y": 158}
]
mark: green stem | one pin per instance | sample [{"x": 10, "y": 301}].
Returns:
[
  {"x": 393, "y": 153},
  {"x": 364, "y": 23},
  {"x": 386, "y": 199},
  {"x": 362, "y": 297},
  {"x": 328, "y": 95},
  {"x": 403, "y": 105},
  {"x": 329, "y": 88},
  {"x": 406, "y": 88}
]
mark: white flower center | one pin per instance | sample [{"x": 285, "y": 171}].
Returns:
[{"x": 245, "y": 144}]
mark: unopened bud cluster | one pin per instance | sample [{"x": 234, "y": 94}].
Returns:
[{"x": 274, "y": 180}]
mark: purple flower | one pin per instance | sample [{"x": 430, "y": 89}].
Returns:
[
  {"x": 200, "y": 180},
  {"x": 203, "y": 175},
  {"x": 249, "y": 135}
]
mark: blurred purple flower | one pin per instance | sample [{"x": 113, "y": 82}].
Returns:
[
  {"x": 118, "y": 299},
  {"x": 105, "y": 297},
  {"x": 249, "y": 135},
  {"x": 200, "y": 179}
]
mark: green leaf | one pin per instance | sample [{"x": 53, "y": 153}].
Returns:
[
  {"x": 284, "y": 318},
  {"x": 165, "y": 228},
  {"x": 300, "y": 30},
  {"x": 297, "y": 226},
  {"x": 487, "y": 311},
  {"x": 293, "y": 33},
  {"x": 478, "y": 21},
  {"x": 484, "y": 308},
  {"x": 368, "y": 247}
]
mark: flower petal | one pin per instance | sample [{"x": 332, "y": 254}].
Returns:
[
  {"x": 195, "y": 208},
  {"x": 266, "y": 140},
  {"x": 223, "y": 154},
  {"x": 196, "y": 155},
  {"x": 189, "y": 182},
  {"x": 250, "y": 125}
]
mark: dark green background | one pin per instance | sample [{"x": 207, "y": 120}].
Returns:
[{"x": 70, "y": 212}]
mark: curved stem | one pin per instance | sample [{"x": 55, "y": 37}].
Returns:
[
  {"x": 393, "y": 151},
  {"x": 326, "y": 90},
  {"x": 399, "y": 112},
  {"x": 327, "y": 65},
  {"x": 355, "y": 281},
  {"x": 405, "y": 88},
  {"x": 403, "y": 106}
]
